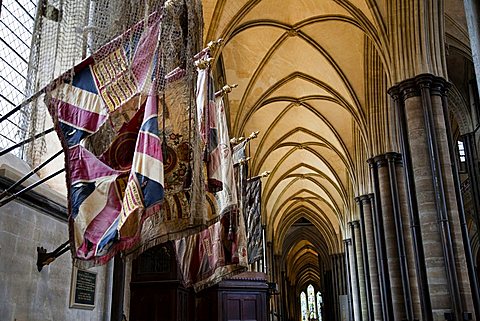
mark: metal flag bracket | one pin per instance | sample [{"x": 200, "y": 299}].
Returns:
[{"x": 45, "y": 258}]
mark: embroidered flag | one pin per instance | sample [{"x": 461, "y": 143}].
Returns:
[
  {"x": 240, "y": 168},
  {"x": 239, "y": 152},
  {"x": 183, "y": 206},
  {"x": 253, "y": 220},
  {"x": 145, "y": 186},
  {"x": 213, "y": 254},
  {"x": 112, "y": 188},
  {"x": 207, "y": 112},
  {"x": 218, "y": 251}
]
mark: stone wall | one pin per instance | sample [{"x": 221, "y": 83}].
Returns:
[{"x": 25, "y": 293}]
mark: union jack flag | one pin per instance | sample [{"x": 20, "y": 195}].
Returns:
[{"x": 111, "y": 191}]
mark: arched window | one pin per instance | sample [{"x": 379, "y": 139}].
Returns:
[
  {"x": 319, "y": 305},
  {"x": 311, "y": 304},
  {"x": 312, "y": 307},
  {"x": 303, "y": 306}
]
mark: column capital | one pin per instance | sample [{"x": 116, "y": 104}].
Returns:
[
  {"x": 371, "y": 162},
  {"x": 409, "y": 89},
  {"x": 380, "y": 160},
  {"x": 354, "y": 224},
  {"x": 347, "y": 241},
  {"x": 412, "y": 87},
  {"x": 365, "y": 198},
  {"x": 394, "y": 157}
]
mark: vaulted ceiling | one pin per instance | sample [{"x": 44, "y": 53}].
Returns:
[{"x": 308, "y": 72}]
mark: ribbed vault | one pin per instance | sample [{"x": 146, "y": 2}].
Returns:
[
  {"x": 312, "y": 78},
  {"x": 300, "y": 70}
]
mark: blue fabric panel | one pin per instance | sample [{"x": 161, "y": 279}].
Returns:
[
  {"x": 110, "y": 236},
  {"x": 84, "y": 80},
  {"x": 72, "y": 135},
  {"x": 151, "y": 126},
  {"x": 78, "y": 194},
  {"x": 152, "y": 191}
]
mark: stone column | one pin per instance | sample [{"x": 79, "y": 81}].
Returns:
[
  {"x": 472, "y": 13},
  {"x": 381, "y": 257},
  {"x": 371, "y": 275},
  {"x": 338, "y": 279},
  {"x": 394, "y": 161},
  {"x": 335, "y": 283},
  {"x": 360, "y": 269},
  {"x": 408, "y": 240},
  {"x": 429, "y": 173},
  {"x": 354, "y": 312},
  {"x": 390, "y": 238}
]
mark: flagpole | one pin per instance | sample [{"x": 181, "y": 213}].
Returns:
[
  {"x": 238, "y": 140},
  {"x": 30, "y": 187},
  {"x": 264, "y": 174},
  {"x": 225, "y": 90},
  {"x": 44, "y": 258},
  {"x": 28, "y": 140},
  {"x": 29, "y": 174}
]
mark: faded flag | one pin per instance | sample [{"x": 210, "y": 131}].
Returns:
[
  {"x": 218, "y": 251},
  {"x": 213, "y": 254},
  {"x": 107, "y": 126},
  {"x": 183, "y": 206},
  {"x": 209, "y": 125},
  {"x": 253, "y": 219}
]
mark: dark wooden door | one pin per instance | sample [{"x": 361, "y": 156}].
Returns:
[
  {"x": 243, "y": 307},
  {"x": 156, "y": 293},
  {"x": 151, "y": 302}
]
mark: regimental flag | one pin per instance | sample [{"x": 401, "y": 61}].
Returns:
[
  {"x": 111, "y": 191},
  {"x": 145, "y": 187},
  {"x": 183, "y": 206},
  {"x": 213, "y": 254},
  {"x": 253, "y": 220},
  {"x": 209, "y": 126},
  {"x": 239, "y": 152},
  {"x": 218, "y": 251},
  {"x": 226, "y": 199},
  {"x": 240, "y": 167}
]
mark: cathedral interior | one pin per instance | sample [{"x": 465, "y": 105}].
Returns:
[{"x": 368, "y": 117}]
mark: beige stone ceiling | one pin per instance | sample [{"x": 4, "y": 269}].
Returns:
[{"x": 300, "y": 70}]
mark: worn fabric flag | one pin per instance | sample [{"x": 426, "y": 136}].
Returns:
[
  {"x": 218, "y": 251},
  {"x": 208, "y": 125},
  {"x": 223, "y": 201},
  {"x": 239, "y": 152},
  {"x": 145, "y": 186},
  {"x": 182, "y": 213},
  {"x": 240, "y": 167},
  {"x": 253, "y": 220},
  {"x": 104, "y": 120},
  {"x": 213, "y": 254}
]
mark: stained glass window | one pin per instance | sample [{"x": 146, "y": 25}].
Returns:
[
  {"x": 303, "y": 305},
  {"x": 311, "y": 302},
  {"x": 319, "y": 305}
]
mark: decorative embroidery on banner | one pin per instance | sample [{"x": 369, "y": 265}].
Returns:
[{"x": 115, "y": 81}]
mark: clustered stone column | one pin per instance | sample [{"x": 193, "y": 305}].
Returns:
[
  {"x": 359, "y": 269},
  {"x": 353, "y": 303},
  {"x": 393, "y": 246},
  {"x": 409, "y": 256},
  {"x": 437, "y": 243},
  {"x": 339, "y": 284},
  {"x": 373, "y": 300}
]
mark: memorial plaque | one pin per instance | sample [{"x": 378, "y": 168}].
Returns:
[{"x": 83, "y": 289}]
